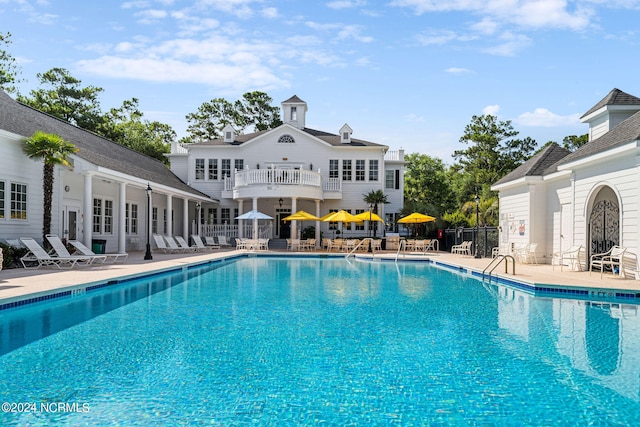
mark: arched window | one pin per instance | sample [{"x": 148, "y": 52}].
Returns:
[{"x": 286, "y": 139}]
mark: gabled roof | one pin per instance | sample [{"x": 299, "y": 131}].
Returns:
[
  {"x": 293, "y": 99},
  {"x": 615, "y": 97},
  {"x": 538, "y": 164},
  {"x": 624, "y": 133},
  {"x": 23, "y": 120},
  {"x": 329, "y": 138}
]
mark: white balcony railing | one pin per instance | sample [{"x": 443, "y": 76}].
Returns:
[
  {"x": 248, "y": 177},
  {"x": 392, "y": 156}
]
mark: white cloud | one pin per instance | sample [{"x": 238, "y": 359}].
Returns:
[
  {"x": 526, "y": 13},
  {"x": 270, "y": 12},
  {"x": 150, "y": 16},
  {"x": 440, "y": 37},
  {"x": 457, "y": 70},
  {"x": 414, "y": 118},
  {"x": 512, "y": 44},
  {"x": 346, "y": 4},
  {"x": 542, "y": 117},
  {"x": 491, "y": 110}
]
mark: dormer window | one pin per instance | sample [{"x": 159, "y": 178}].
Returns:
[
  {"x": 229, "y": 133},
  {"x": 286, "y": 139},
  {"x": 345, "y": 134}
]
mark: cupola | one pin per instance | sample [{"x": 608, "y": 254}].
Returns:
[{"x": 294, "y": 110}]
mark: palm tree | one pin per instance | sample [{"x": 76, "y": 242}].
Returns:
[
  {"x": 52, "y": 150},
  {"x": 373, "y": 198}
]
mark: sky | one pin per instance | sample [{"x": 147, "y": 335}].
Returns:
[{"x": 409, "y": 74}]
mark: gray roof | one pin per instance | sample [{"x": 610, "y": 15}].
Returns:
[
  {"x": 538, "y": 164},
  {"x": 21, "y": 119},
  {"x": 327, "y": 137},
  {"x": 615, "y": 97},
  {"x": 624, "y": 133},
  {"x": 294, "y": 98}
]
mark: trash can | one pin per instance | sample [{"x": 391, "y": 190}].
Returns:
[{"x": 99, "y": 246}]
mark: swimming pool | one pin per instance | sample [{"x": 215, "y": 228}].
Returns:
[{"x": 301, "y": 341}]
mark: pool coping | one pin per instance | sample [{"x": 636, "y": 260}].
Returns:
[{"x": 532, "y": 288}]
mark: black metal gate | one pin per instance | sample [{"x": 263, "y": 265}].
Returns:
[
  {"x": 604, "y": 226},
  {"x": 485, "y": 239}
]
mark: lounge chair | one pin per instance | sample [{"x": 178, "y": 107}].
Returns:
[
  {"x": 210, "y": 241},
  {"x": 197, "y": 241},
  {"x": 173, "y": 245},
  {"x": 161, "y": 244},
  {"x": 38, "y": 255},
  {"x": 111, "y": 258},
  {"x": 613, "y": 259},
  {"x": 184, "y": 245},
  {"x": 222, "y": 241},
  {"x": 61, "y": 251}
]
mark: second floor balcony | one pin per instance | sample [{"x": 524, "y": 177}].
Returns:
[{"x": 250, "y": 183}]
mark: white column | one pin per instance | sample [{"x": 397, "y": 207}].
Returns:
[
  {"x": 241, "y": 223},
  {"x": 185, "y": 219},
  {"x": 318, "y": 242},
  {"x": 255, "y": 221},
  {"x": 169, "y": 230},
  {"x": 294, "y": 224},
  {"x": 88, "y": 210},
  {"x": 122, "y": 232}
]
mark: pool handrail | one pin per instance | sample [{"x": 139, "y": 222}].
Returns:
[{"x": 358, "y": 245}]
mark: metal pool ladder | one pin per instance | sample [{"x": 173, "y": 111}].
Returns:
[{"x": 496, "y": 262}]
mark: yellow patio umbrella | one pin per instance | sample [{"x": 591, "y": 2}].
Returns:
[
  {"x": 301, "y": 216},
  {"x": 369, "y": 216},
  {"x": 416, "y": 218},
  {"x": 340, "y": 216}
]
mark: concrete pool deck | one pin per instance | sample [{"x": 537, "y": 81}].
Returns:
[{"x": 19, "y": 284}]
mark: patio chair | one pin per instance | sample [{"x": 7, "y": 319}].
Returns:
[
  {"x": 528, "y": 254},
  {"x": 612, "y": 259},
  {"x": 222, "y": 241},
  {"x": 38, "y": 255},
  {"x": 174, "y": 246},
  {"x": 210, "y": 242},
  {"x": 161, "y": 244},
  {"x": 184, "y": 245},
  {"x": 263, "y": 245},
  {"x": 61, "y": 251},
  {"x": 200, "y": 246},
  {"x": 571, "y": 255},
  {"x": 242, "y": 243},
  {"x": 376, "y": 245},
  {"x": 111, "y": 258}
]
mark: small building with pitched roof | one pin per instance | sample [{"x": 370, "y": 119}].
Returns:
[
  {"x": 589, "y": 197},
  {"x": 101, "y": 196}
]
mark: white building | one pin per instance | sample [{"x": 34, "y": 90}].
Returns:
[
  {"x": 102, "y": 196},
  {"x": 291, "y": 168},
  {"x": 590, "y": 197}
]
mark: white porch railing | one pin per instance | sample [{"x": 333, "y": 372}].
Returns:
[
  {"x": 249, "y": 177},
  {"x": 277, "y": 176},
  {"x": 265, "y": 230}
]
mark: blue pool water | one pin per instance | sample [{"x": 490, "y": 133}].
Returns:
[{"x": 288, "y": 341}]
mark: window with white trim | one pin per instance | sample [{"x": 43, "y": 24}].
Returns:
[
  {"x": 131, "y": 218},
  {"x": 360, "y": 170},
  {"x": 212, "y": 216},
  {"x": 18, "y": 201},
  {"x": 102, "y": 216},
  {"x": 2, "y": 213},
  {"x": 334, "y": 169},
  {"x": 389, "y": 181},
  {"x": 199, "y": 169},
  {"x": 154, "y": 220},
  {"x": 239, "y": 164},
  {"x": 359, "y": 225},
  {"x": 226, "y": 168},
  {"x": 286, "y": 139},
  {"x": 225, "y": 216},
  {"x": 346, "y": 170},
  {"x": 213, "y": 169},
  {"x": 373, "y": 170}
]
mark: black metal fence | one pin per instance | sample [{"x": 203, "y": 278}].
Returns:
[{"x": 484, "y": 239}]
